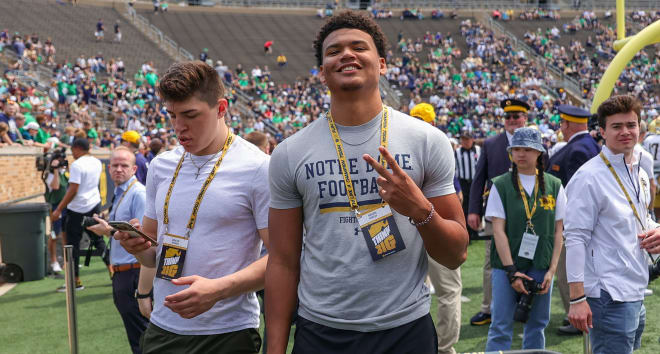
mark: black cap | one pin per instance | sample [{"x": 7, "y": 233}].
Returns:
[
  {"x": 467, "y": 133},
  {"x": 514, "y": 105}
]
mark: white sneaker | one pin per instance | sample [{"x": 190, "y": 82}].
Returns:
[
  {"x": 648, "y": 292},
  {"x": 55, "y": 267},
  {"x": 465, "y": 299}
]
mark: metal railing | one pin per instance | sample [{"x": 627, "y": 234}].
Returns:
[
  {"x": 41, "y": 76},
  {"x": 611, "y": 4},
  {"x": 395, "y": 4},
  {"x": 390, "y": 96},
  {"x": 167, "y": 44},
  {"x": 560, "y": 79},
  {"x": 274, "y": 3}
]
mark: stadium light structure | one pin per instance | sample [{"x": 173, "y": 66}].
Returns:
[{"x": 627, "y": 48}]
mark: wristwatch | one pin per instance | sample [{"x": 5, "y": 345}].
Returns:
[{"x": 144, "y": 296}]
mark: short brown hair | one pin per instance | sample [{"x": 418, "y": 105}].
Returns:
[
  {"x": 191, "y": 78},
  {"x": 257, "y": 138},
  {"x": 618, "y": 104},
  {"x": 352, "y": 20}
]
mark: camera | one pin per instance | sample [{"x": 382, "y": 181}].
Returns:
[
  {"x": 521, "y": 314},
  {"x": 44, "y": 162},
  {"x": 88, "y": 221}
]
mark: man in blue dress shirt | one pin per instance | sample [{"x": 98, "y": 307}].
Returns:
[{"x": 128, "y": 203}]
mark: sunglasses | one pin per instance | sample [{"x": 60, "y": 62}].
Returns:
[{"x": 513, "y": 116}]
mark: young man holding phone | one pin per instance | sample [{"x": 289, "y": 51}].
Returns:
[
  {"x": 207, "y": 206},
  {"x": 128, "y": 203}
]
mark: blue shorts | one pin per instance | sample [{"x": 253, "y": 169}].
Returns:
[{"x": 57, "y": 225}]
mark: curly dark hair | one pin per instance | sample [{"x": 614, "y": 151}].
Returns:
[{"x": 350, "y": 19}]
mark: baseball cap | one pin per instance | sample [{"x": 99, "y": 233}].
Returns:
[
  {"x": 423, "y": 111},
  {"x": 32, "y": 125},
  {"x": 131, "y": 136}
]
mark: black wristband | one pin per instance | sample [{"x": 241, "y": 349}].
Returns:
[
  {"x": 144, "y": 296},
  {"x": 511, "y": 271},
  {"x": 578, "y": 298}
]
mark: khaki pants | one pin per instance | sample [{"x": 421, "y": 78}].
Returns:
[
  {"x": 485, "y": 304},
  {"x": 562, "y": 281},
  {"x": 448, "y": 287}
]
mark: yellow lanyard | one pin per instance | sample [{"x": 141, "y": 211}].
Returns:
[
  {"x": 341, "y": 156},
  {"x": 198, "y": 201},
  {"x": 529, "y": 213},
  {"x": 618, "y": 180},
  {"x": 122, "y": 197}
]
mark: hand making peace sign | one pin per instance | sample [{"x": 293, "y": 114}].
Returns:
[{"x": 398, "y": 189}]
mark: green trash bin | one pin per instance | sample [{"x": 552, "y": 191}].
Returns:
[{"x": 22, "y": 238}]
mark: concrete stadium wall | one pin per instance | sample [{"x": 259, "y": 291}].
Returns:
[{"x": 19, "y": 179}]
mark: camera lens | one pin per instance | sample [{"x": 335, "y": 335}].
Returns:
[{"x": 89, "y": 221}]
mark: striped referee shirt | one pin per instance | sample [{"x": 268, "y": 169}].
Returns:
[{"x": 466, "y": 162}]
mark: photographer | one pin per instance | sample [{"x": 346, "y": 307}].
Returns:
[
  {"x": 606, "y": 264},
  {"x": 82, "y": 199},
  {"x": 56, "y": 185},
  {"x": 128, "y": 203},
  {"x": 526, "y": 207}
]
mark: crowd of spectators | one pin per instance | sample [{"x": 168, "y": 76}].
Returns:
[
  {"x": 90, "y": 97},
  {"x": 464, "y": 87},
  {"x": 587, "y": 61}
]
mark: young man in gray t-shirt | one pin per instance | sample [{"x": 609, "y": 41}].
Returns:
[{"x": 360, "y": 280}]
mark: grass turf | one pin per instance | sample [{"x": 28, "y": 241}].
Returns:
[{"x": 34, "y": 316}]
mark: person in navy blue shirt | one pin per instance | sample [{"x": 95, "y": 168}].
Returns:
[
  {"x": 580, "y": 148},
  {"x": 131, "y": 139}
]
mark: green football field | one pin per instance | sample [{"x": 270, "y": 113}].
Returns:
[{"x": 33, "y": 316}]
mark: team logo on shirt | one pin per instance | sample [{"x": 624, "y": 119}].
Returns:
[
  {"x": 548, "y": 202},
  {"x": 331, "y": 187}
]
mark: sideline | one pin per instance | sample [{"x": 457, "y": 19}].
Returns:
[{"x": 4, "y": 288}]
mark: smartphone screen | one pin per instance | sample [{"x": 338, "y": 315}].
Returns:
[{"x": 128, "y": 228}]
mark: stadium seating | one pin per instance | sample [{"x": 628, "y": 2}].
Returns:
[
  {"x": 72, "y": 31},
  {"x": 239, "y": 37}
]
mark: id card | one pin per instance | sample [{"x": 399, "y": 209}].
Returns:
[
  {"x": 172, "y": 257},
  {"x": 380, "y": 232},
  {"x": 528, "y": 246}
]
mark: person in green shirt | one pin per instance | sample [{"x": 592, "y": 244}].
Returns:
[
  {"x": 527, "y": 207},
  {"x": 92, "y": 134},
  {"x": 151, "y": 78}
]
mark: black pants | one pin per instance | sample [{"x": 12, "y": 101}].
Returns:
[
  {"x": 416, "y": 337},
  {"x": 124, "y": 285},
  {"x": 74, "y": 231},
  {"x": 159, "y": 341},
  {"x": 465, "y": 187}
]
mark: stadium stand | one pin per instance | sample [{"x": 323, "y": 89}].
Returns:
[
  {"x": 239, "y": 37},
  {"x": 72, "y": 31}
]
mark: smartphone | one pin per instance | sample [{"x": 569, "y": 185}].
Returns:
[{"x": 128, "y": 228}]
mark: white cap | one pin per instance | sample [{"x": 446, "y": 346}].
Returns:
[{"x": 32, "y": 125}]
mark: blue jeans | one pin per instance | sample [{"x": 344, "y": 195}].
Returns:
[
  {"x": 618, "y": 325},
  {"x": 502, "y": 308}
]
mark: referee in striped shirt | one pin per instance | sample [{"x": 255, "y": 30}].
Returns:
[{"x": 467, "y": 156}]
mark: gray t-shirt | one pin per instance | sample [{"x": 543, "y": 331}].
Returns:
[
  {"x": 225, "y": 238},
  {"x": 340, "y": 285}
]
